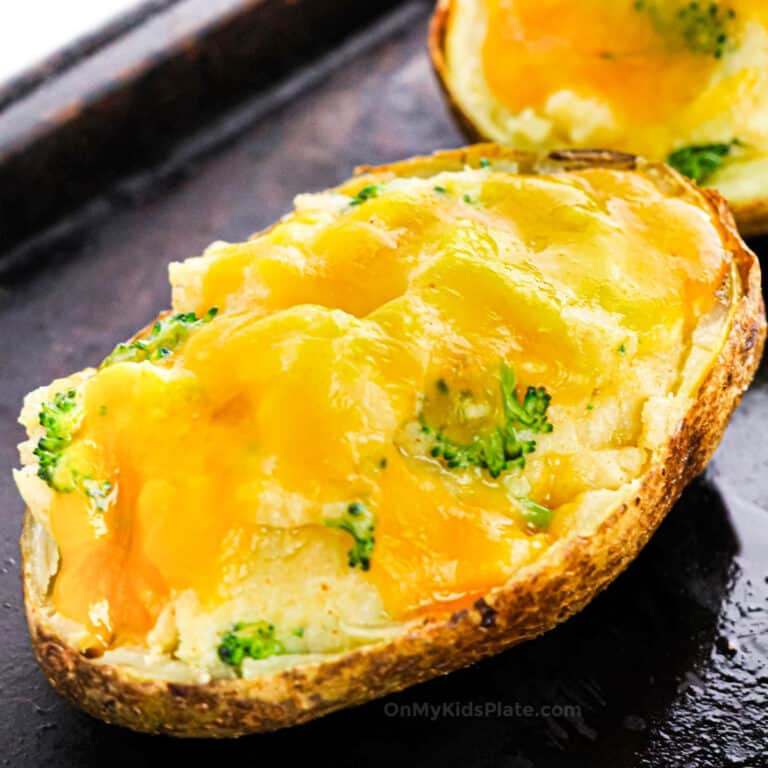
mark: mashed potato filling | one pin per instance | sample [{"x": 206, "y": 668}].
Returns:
[
  {"x": 204, "y": 479},
  {"x": 642, "y": 76}
]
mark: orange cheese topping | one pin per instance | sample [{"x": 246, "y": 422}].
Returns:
[
  {"x": 636, "y": 57},
  {"x": 332, "y": 330}
]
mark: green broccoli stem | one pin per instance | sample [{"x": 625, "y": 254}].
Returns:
[{"x": 536, "y": 515}]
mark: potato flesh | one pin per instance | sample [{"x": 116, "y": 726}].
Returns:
[{"x": 333, "y": 331}]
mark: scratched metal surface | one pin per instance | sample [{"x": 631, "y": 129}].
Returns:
[{"x": 669, "y": 667}]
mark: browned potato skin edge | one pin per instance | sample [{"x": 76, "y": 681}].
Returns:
[
  {"x": 510, "y": 614},
  {"x": 751, "y": 217}
]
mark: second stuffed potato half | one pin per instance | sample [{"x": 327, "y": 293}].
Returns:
[
  {"x": 427, "y": 415},
  {"x": 679, "y": 81}
]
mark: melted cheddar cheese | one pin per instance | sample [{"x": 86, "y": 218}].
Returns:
[
  {"x": 643, "y": 76},
  {"x": 337, "y": 330},
  {"x": 611, "y": 51}
]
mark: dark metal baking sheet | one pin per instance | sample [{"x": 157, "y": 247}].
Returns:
[
  {"x": 668, "y": 668},
  {"x": 118, "y": 103}
]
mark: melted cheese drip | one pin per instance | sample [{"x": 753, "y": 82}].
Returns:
[
  {"x": 333, "y": 329},
  {"x": 610, "y": 55}
]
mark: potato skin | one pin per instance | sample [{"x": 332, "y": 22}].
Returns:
[
  {"x": 751, "y": 216},
  {"x": 436, "y": 34},
  {"x": 546, "y": 593}
]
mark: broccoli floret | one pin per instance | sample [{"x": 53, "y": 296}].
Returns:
[
  {"x": 497, "y": 451},
  {"x": 701, "y": 27},
  {"x": 253, "y": 640},
  {"x": 700, "y": 161},
  {"x": 360, "y": 523},
  {"x": 163, "y": 338},
  {"x": 532, "y": 412},
  {"x": 61, "y": 418},
  {"x": 704, "y": 27},
  {"x": 502, "y": 449}
]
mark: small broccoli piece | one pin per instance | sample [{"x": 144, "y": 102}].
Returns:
[
  {"x": 701, "y": 27},
  {"x": 253, "y": 640},
  {"x": 502, "y": 449},
  {"x": 532, "y": 412},
  {"x": 100, "y": 492},
  {"x": 360, "y": 523},
  {"x": 535, "y": 515},
  {"x": 699, "y": 162},
  {"x": 366, "y": 193},
  {"x": 163, "y": 338},
  {"x": 61, "y": 418}
]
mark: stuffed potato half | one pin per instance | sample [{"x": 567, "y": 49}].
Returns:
[
  {"x": 199, "y": 556},
  {"x": 680, "y": 82}
]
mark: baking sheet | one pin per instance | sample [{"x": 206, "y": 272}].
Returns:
[{"x": 669, "y": 667}]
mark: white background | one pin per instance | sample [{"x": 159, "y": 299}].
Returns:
[{"x": 30, "y": 30}]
